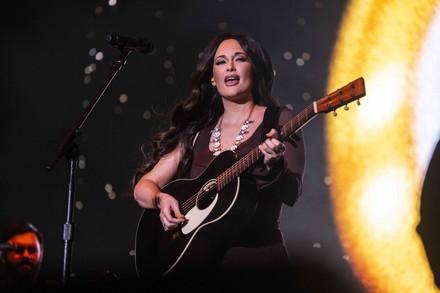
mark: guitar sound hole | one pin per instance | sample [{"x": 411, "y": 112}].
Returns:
[{"x": 205, "y": 200}]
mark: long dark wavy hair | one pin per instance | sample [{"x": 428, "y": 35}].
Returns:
[{"x": 204, "y": 105}]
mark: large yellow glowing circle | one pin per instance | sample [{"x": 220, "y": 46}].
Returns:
[{"x": 376, "y": 154}]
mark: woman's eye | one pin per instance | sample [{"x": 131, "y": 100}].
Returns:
[{"x": 218, "y": 62}]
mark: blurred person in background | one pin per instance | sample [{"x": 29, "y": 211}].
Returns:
[{"x": 21, "y": 255}]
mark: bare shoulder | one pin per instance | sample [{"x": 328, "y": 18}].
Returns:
[{"x": 259, "y": 114}]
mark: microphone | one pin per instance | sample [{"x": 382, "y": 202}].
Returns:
[
  {"x": 7, "y": 247},
  {"x": 125, "y": 43}
]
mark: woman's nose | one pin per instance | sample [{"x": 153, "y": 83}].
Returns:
[{"x": 231, "y": 66}]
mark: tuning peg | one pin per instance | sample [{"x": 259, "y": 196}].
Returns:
[
  {"x": 334, "y": 113},
  {"x": 346, "y": 107},
  {"x": 357, "y": 100}
]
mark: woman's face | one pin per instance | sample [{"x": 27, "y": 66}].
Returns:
[{"x": 232, "y": 72}]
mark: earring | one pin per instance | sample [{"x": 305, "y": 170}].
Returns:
[{"x": 213, "y": 82}]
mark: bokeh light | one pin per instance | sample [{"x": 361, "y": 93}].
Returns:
[{"x": 373, "y": 152}]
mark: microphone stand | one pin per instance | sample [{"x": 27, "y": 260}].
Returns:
[{"x": 67, "y": 147}]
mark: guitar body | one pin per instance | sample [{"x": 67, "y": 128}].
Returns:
[{"x": 213, "y": 218}]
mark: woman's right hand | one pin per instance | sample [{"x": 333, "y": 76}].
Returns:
[{"x": 170, "y": 215}]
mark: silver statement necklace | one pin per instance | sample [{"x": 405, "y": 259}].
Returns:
[{"x": 217, "y": 133}]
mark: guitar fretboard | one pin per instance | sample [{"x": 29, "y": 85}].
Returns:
[{"x": 250, "y": 158}]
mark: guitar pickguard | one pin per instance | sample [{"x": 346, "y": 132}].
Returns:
[{"x": 196, "y": 216}]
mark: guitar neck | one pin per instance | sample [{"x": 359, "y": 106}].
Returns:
[
  {"x": 250, "y": 158},
  {"x": 352, "y": 91}
]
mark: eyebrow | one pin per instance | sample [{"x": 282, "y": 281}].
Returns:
[
  {"x": 30, "y": 248},
  {"x": 235, "y": 54}
]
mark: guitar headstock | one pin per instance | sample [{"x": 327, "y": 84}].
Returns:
[{"x": 341, "y": 97}]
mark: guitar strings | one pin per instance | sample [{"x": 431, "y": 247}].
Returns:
[
  {"x": 191, "y": 202},
  {"x": 227, "y": 176}
]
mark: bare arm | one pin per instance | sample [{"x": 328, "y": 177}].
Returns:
[{"x": 147, "y": 191}]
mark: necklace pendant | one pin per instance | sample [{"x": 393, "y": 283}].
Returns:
[
  {"x": 245, "y": 127},
  {"x": 217, "y": 132}
]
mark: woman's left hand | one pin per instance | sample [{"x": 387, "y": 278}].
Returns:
[{"x": 272, "y": 149}]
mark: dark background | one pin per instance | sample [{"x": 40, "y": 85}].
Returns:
[{"x": 44, "y": 54}]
